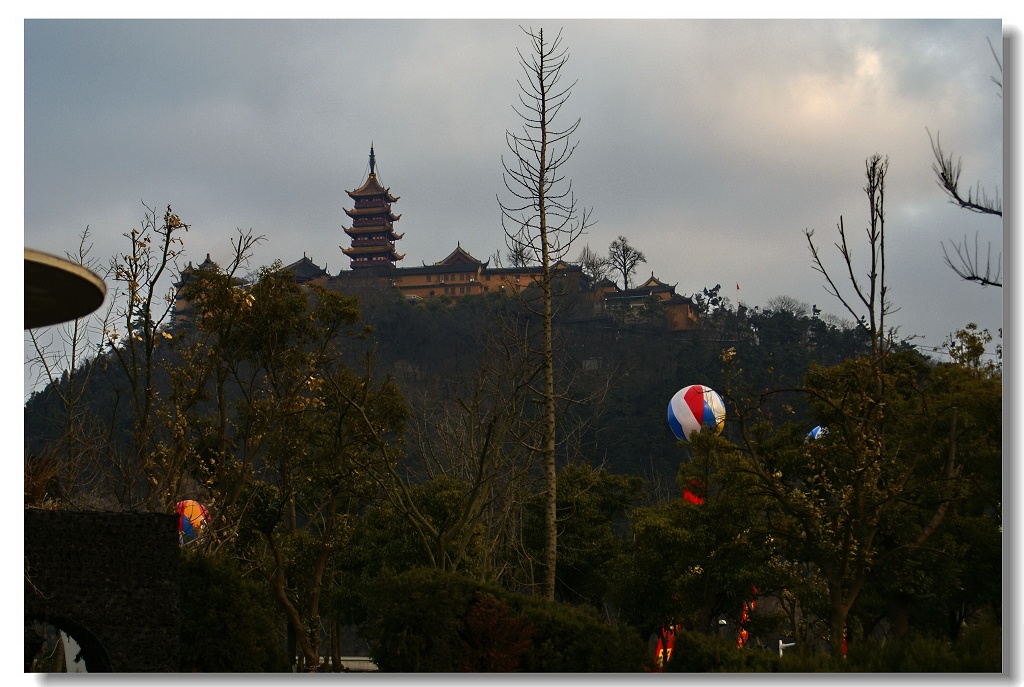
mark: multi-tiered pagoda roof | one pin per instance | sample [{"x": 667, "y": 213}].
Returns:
[{"x": 373, "y": 224}]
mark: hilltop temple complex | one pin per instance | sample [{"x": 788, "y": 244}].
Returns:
[{"x": 373, "y": 258}]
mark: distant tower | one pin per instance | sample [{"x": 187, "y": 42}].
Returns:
[{"x": 373, "y": 224}]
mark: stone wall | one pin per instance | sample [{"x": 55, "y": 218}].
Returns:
[{"x": 110, "y": 580}]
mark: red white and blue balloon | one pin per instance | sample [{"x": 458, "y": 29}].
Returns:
[{"x": 695, "y": 408}]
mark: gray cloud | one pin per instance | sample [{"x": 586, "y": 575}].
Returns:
[{"x": 712, "y": 145}]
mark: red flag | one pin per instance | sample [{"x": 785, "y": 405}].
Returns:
[{"x": 737, "y": 287}]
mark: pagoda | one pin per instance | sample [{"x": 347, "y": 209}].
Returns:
[{"x": 373, "y": 224}]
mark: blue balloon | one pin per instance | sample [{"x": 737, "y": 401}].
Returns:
[{"x": 816, "y": 433}]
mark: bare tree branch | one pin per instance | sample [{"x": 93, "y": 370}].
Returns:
[
  {"x": 947, "y": 175},
  {"x": 624, "y": 259},
  {"x": 543, "y": 220},
  {"x": 967, "y": 265}
]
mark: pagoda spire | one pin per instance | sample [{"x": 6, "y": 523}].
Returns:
[{"x": 372, "y": 232}]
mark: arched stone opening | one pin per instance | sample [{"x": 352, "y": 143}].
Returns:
[
  {"x": 92, "y": 651},
  {"x": 110, "y": 580}
]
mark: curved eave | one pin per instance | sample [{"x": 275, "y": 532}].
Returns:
[
  {"x": 371, "y": 250},
  {"x": 358, "y": 194},
  {"x": 364, "y": 231},
  {"x": 363, "y": 212},
  {"x": 371, "y": 187}
]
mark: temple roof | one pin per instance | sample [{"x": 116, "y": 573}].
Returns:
[
  {"x": 649, "y": 288},
  {"x": 460, "y": 257},
  {"x": 371, "y": 187},
  {"x": 655, "y": 283},
  {"x": 190, "y": 269},
  {"x": 362, "y": 231},
  {"x": 305, "y": 269},
  {"x": 360, "y": 212},
  {"x": 372, "y": 250},
  {"x": 559, "y": 269},
  {"x": 678, "y": 298}
]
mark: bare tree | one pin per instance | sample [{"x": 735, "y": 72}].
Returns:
[
  {"x": 473, "y": 431},
  {"x": 962, "y": 258},
  {"x": 518, "y": 256},
  {"x": 593, "y": 265},
  {"x": 872, "y": 295},
  {"x": 148, "y": 302},
  {"x": 543, "y": 220},
  {"x": 62, "y": 357},
  {"x": 623, "y": 259},
  {"x": 861, "y": 478},
  {"x": 788, "y": 304}
]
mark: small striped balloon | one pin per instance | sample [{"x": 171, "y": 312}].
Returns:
[
  {"x": 695, "y": 408},
  {"x": 192, "y": 517}
]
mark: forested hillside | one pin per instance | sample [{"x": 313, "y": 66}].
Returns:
[
  {"x": 351, "y": 445},
  {"x": 621, "y": 374}
]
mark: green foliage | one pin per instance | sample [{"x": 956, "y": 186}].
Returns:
[
  {"x": 708, "y": 301},
  {"x": 297, "y": 446},
  {"x": 416, "y": 620},
  {"x": 863, "y": 504},
  {"x": 979, "y": 650},
  {"x": 967, "y": 348},
  {"x": 495, "y": 639},
  {"x": 261, "y": 399},
  {"x": 591, "y": 508},
  {"x": 229, "y": 623},
  {"x": 689, "y": 562},
  {"x": 697, "y": 652},
  {"x": 938, "y": 544},
  {"x": 575, "y": 639},
  {"x": 426, "y": 620},
  {"x": 386, "y": 542}
]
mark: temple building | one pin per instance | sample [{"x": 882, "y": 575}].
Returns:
[
  {"x": 373, "y": 261},
  {"x": 460, "y": 274},
  {"x": 373, "y": 224},
  {"x": 680, "y": 311},
  {"x": 182, "y": 308},
  {"x": 306, "y": 271}
]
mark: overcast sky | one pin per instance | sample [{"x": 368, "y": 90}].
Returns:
[{"x": 712, "y": 145}]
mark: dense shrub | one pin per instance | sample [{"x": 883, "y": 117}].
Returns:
[
  {"x": 495, "y": 639},
  {"x": 228, "y": 623},
  {"x": 576, "y": 639},
  {"x": 978, "y": 650},
  {"x": 700, "y": 653},
  {"x": 425, "y": 620},
  {"x": 416, "y": 620}
]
